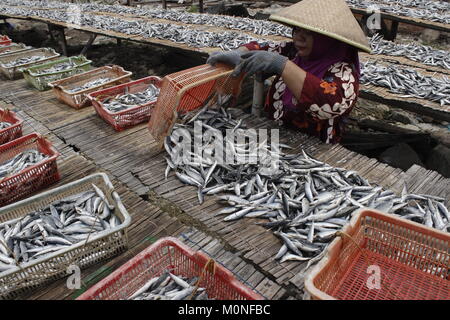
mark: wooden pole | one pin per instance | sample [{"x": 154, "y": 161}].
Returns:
[{"x": 88, "y": 44}]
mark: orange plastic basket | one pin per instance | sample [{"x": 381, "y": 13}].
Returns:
[
  {"x": 188, "y": 90},
  {"x": 33, "y": 178},
  {"x": 79, "y": 99},
  {"x": 130, "y": 117},
  {"x": 410, "y": 260},
  {"x": 12, "y": 132},
  {"x": 169, "y": 254}
]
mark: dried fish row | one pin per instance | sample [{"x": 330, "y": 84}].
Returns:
[
  {"x": 24, "y": 60},
  {"x": 427, "y": 12},
  {"x": 170, "y": 287},
  {"x": 59, "y": 225},
  {"x": 4, "y": 125},
  {"x": 260, "y": 27},
  {"x": 89, "y": 84},
  {"x": 406, "y": 81},
  {"x": 434, "y": 5},
  {"x": 20, "y": 162},
  {"x": 419, "y": 53},
  {"x": 306, "y": 201},
  {"x": 179, "y": 34},
  {"x": 130, "y": 100}
]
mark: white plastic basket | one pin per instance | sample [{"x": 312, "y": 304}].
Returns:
[{"x": 100, "y": 246}]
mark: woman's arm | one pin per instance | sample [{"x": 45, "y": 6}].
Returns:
[
  {"x": 324, "y": 99},
  {"x": 294, "y": 77}
]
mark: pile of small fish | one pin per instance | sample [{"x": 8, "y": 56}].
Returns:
[
  {"x": 21, "y": 61},
  {"x": 170, "y": 287},
  {"x": 406, "y": 81},
  {"x": 20, "y": 162},
  {"x": 130, "y": 100},
  {"x": 90, "y": 84},
  {"x": 429, "y": 10},
  {"x": 4, "y": 125},
  {"x": 58, "y": 67},
  {"x": 306, "y": 201},
  {"x": 59, "y": 225},
  {"x": 415, "y": 52}
]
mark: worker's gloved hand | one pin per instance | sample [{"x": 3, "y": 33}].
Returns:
[
  {"x": 231, "y": 58},
  {"x": 263, "y": 62}
]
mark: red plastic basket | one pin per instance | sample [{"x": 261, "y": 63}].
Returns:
[
  {"x": 410, "y": 261},
  {"x": 168, "y": 254},
  {"x": 126, "y": 118},
  {"x": 12, "y": 132},
  {"x": 5, "y": 41},
  {"x": 31, "y": 179}
]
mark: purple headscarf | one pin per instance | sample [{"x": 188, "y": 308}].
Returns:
[{"x": 326, "y": 51}]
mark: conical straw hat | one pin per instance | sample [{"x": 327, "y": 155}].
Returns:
[{"x": 332, "y": 18}]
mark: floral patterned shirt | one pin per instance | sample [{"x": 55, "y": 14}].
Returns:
[{"x": 324, "y": 103}]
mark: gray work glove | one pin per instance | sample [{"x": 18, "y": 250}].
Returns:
[
  {"x": 231, "y": 58},
  {"x": 263, "y": 62}
]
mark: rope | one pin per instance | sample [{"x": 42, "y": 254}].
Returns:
[{"x": 210, "y": 266}]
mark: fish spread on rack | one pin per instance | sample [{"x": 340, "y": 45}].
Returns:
[
  {"x": 58, "y": 226},
  {"x": 188, "y": 35},
  {"x": 90, "y": 84},
  {"x": 437, "y": 11},
  {"x": 170, "y": 287},
  {"x": 130, "y": 100},
  {"x": 260, "y": 27},
  {"x": 20, "y": 162},
  {"x": 406, "y": 81},
  {"x": 415, "y": 52},
  {"x": 305, "y": 201}
]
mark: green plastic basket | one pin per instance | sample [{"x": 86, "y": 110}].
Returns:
[{"x": 40, "y": 81}]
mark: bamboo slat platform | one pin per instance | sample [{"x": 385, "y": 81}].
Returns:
[{"x": 162, "y": 207}]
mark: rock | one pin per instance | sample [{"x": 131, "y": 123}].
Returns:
[
  {"x": 400, "y": 156},
  {"x": 402, "y": 117},
  {"x": 408, "y": 126},
  {"x": 427, "y": 127},
  {"x": 260, "y": 5},
  {"x": 439, "y": 160},
  {"x": 383, "y": 108},
  {"x": 429, "y": 35},
  {"x": 443, "y": 136},
  {"x": 427, "y": 119}
]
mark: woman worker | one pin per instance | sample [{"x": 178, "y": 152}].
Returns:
[{"x": 317, "y": 73}]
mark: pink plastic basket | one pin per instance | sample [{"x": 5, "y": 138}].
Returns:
[
  {"x": 31, "y": 179},
  {"x": 126, "y": 118},
  {"x": 12, "y": 132},
  {"x": 168, "y": 254}
]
